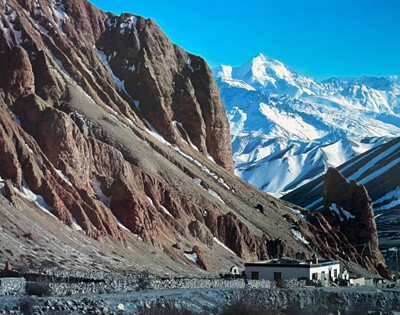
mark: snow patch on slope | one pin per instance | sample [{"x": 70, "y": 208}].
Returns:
[
  {"x": 96, "y": 185},
  {"x": 64, "y": 177},
  {"x": 105, "y": 60},
  {"x": 38, "y": 200},
  {"x": 76, "y": 225},
  {"x": 191, "y": 256},
  {"x": 341, "y": 213},
  {"x": 297, "y": 235},
  {"x": 166, "y": 211},
  {"x": 215, "y": 195},
  {"x": 128, "y": 24}
]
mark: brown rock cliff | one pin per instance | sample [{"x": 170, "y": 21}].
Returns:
[{"x": 348, "y": 207}]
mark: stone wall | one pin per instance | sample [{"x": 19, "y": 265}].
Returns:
[
  {"x": 153, "y": 283},
  {"x": 12, "y": 286}
]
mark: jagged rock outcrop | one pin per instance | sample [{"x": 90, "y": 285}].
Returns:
[
  {"x": 348, "y": 207},
  {"x": 345, "y": 228},
  {"x": 174, "y": 90},
  {"x": 202, "y": 260},
  {"x": 123, "y": 62},
  {"x": 377, "y": 171}
]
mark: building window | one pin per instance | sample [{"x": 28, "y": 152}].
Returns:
[
  {"x": 314, "y": 276},
  {"x": 277, "y": 276},
  {"x": 255, "y": 275},
  {"x": 335, "y": 273}
]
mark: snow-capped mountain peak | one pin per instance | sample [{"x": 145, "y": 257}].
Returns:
[
  {"x": 269, "y": 70},
  {"x": 269, "y": 76},
  {"x": 263, "y": 71}
]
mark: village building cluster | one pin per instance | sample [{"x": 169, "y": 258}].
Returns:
[
  {"x": 314, "y": 272},
  {"x": 325, "y": 272}
]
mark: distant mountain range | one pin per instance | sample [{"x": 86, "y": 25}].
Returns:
[{"x": 287, "y": 129}]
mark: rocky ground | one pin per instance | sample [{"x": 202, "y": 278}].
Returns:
[{"x": 131, "y": 295}]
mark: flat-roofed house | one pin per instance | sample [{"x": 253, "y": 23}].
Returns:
[{"x": 283, "y": 269}]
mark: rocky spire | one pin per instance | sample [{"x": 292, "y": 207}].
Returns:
[{"x": 348, "y": 207}]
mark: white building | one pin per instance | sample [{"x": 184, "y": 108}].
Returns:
[
  {"x": 283, "y": 269},
  {"x": 235, "y": 271}
]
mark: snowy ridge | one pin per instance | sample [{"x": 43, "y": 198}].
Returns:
[
  {"x": 299, "y": 127},
  {"x": 378, "y": 170}
]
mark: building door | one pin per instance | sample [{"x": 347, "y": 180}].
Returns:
[
  {"x": 255, "y": 275},
  {"x": 277, "y": 276},
  {"x": 314, "y": 276}
]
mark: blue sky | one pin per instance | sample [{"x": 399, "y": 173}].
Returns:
[{"x": 319, "y": 38}]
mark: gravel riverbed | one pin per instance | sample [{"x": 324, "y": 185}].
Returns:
[{"x": 200, "y": 295}]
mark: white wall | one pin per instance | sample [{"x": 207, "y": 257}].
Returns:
[
  {"x": 358, "y": 281},
  {"x": 320, "y": 269},
  {"x": 267, "y": 272}
]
